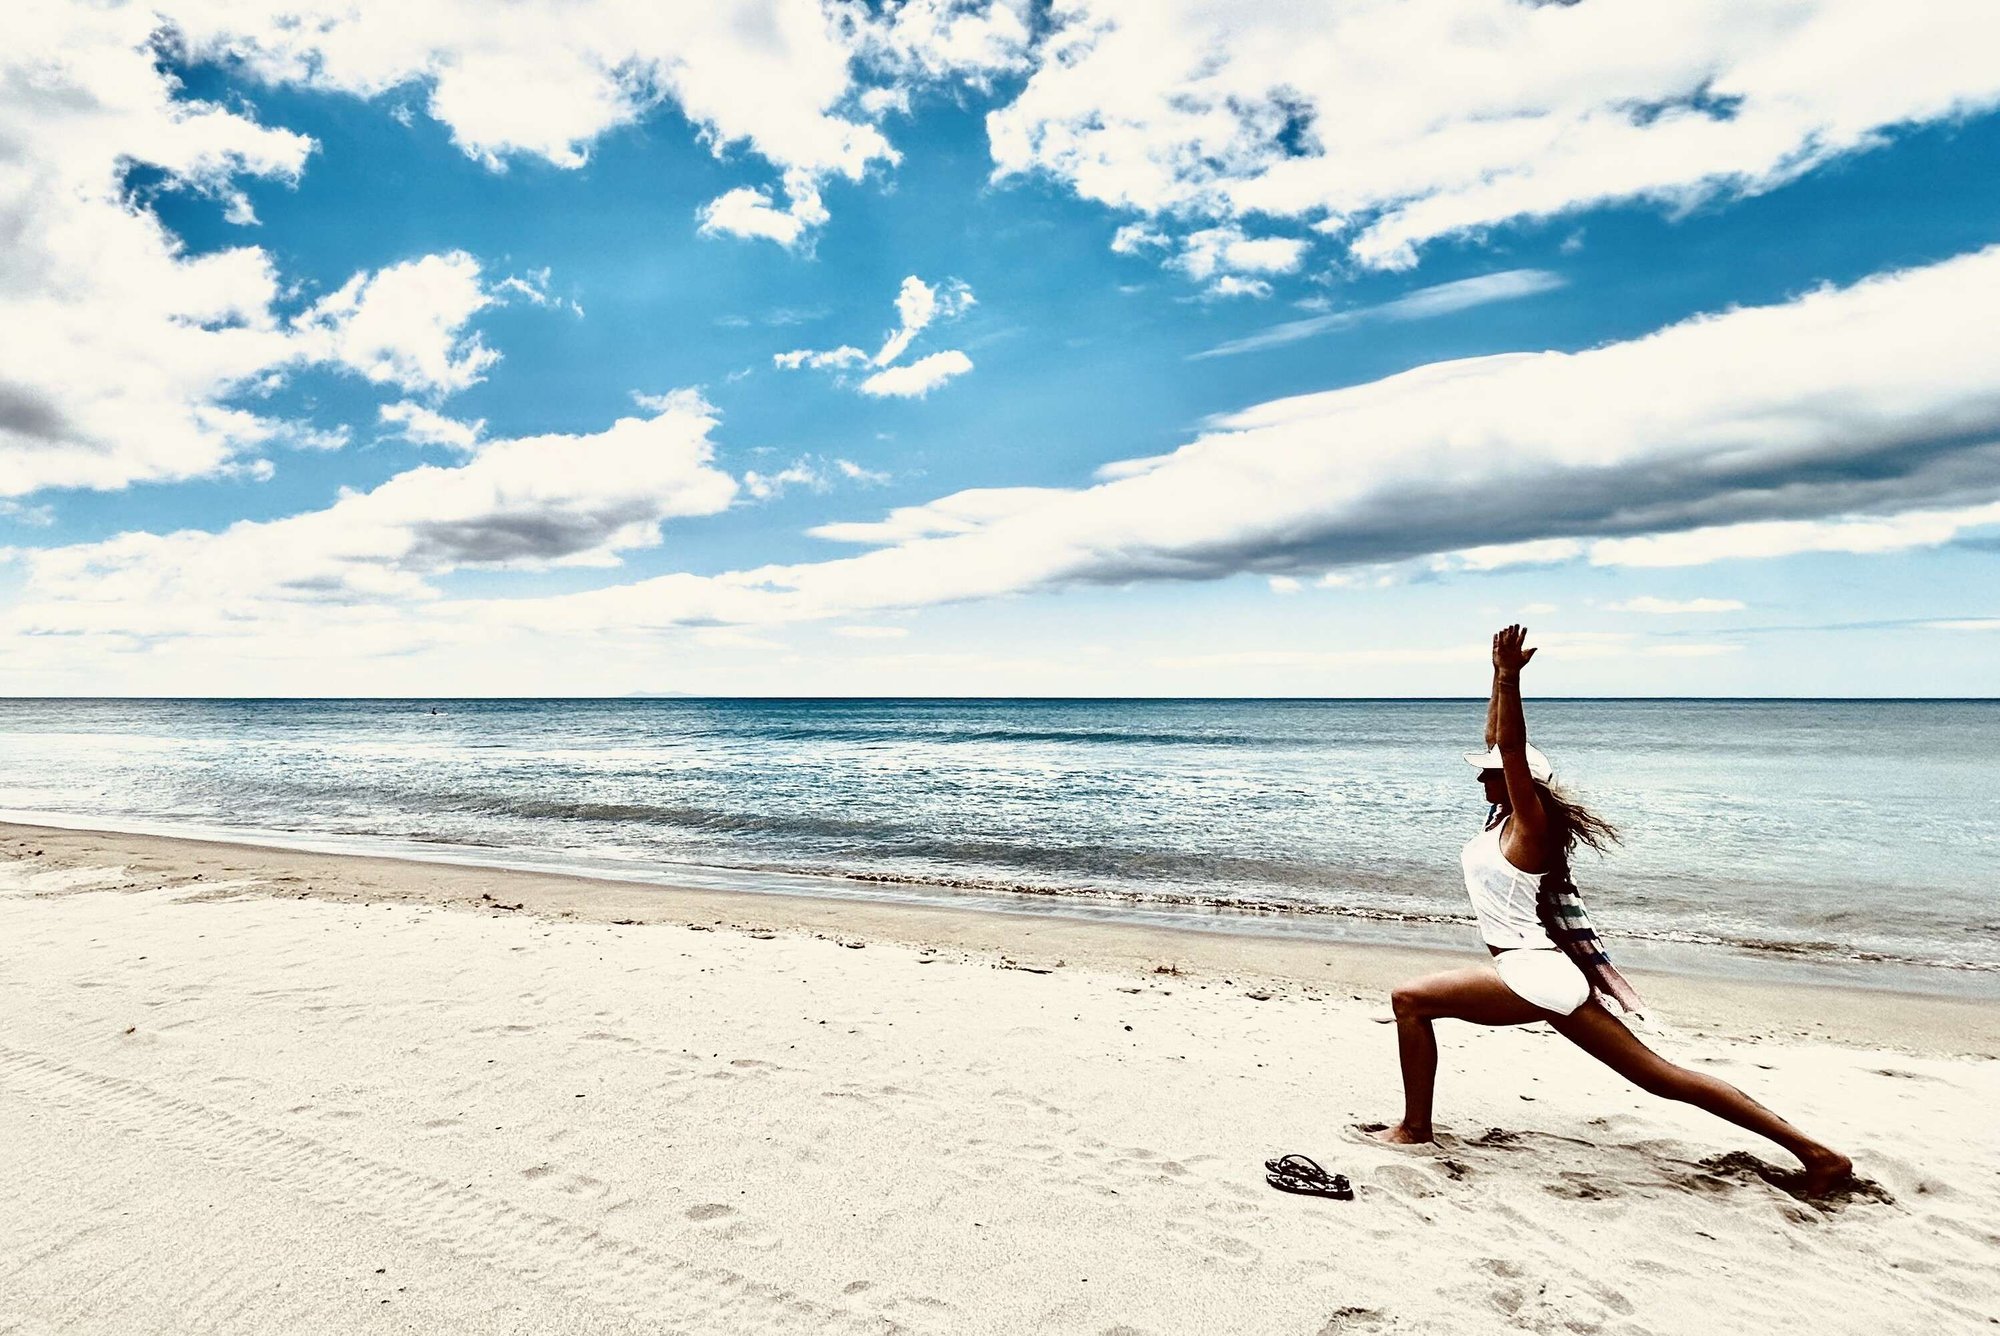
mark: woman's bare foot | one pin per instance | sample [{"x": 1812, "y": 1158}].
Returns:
[
  {"x": 1401, "y": 1135},
  {"x": 1825, "y": 1170}
]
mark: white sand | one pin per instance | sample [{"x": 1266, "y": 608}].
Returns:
[{"x": 374, "y": 1109}]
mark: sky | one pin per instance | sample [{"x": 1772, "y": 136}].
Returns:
[{"x": 1096, "y": 348}]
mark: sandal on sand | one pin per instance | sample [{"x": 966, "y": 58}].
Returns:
[{"x": 1297, "y": 1173}]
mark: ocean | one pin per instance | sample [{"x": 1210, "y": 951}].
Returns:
[{"x": 1858, "y": 839}]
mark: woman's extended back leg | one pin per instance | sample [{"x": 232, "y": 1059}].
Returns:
[{"x": 1603, "y": 1036}]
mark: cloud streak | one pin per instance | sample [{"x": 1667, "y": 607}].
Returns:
[{"x": 1423, "y": 304}]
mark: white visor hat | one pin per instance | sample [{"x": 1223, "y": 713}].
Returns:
[{"x": 1538, "y": 764}]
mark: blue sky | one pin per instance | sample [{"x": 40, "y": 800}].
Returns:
[{"x": 260, "y": 262}]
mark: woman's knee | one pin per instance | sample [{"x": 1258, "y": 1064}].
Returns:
[{"x": 1409, "y": 1001}]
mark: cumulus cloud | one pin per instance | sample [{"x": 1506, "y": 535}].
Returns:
[
  {"x": 748, "y": 211},
  {"x": 919, "y": 378},
  {"x": 553, "y": 78},
  {"x": 1185, "y": 108},
  {"x": 1224, "y": 256},
  {"x": 1235, "y": 285},
  {"x": 122, "y": 357},
  {"x": 937, "y": 39},
  {"x": 424, "y": 426},
  {"x": 404, "y": 325},
  {"x": 121, "y": 353},
  {"x": 536, "y": 501}
]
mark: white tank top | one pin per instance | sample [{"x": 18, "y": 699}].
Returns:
[{"x": 1503, "y": 896}]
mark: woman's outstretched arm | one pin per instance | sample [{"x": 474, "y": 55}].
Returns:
[
  {"x": 1493, "y": 707},
  {"x": 1510, "y": 726}
]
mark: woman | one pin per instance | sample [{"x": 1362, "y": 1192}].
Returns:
[{"x": 1528, "y": 838}]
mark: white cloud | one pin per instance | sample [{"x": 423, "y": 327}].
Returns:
[
  {"x": 918, "y": 306},
  {"x": 832, "y": 359},
  {"x": 1673, "y": 606},
  {"x": 1496, "y": 556},
  {"x": 1521, "y": 111},
  {"x": 1220, "y": 250},
  {"x": 1569, "y": 646},
  {"x": 748, "y": 211},
  {"x": 422, "y": 426},
  {"x": 120, "y": 355},
  {"x": 1137, "y": 238},
  {"x": 40, "y": 517},
  {"x": 1422, "y": 304},
  {"x": 919, "y": 378},
  {"x": 405, "y": 325},
  {"x": 123, "y": 358},
  {"x": 729, "y": 637},
  {"x": 1233, "y": 285},
  {"x": 538, "y": 501},
  {"x": 1862, "y": 534},
  {"x": 1965, "y": 624},
  {"x": 553, "y": 77},
  {"x": 854, "y": 472},
  {"x": 802, "y": 472},
  {"x": 533, "y": 287},
  {"x": 960, "y": 513},
  {"x": 1285, "y": 584},
  {"x": 1876, "y": 396},
  {"x": 939, "y": 38},
  {"x": 872, "y": 632}
]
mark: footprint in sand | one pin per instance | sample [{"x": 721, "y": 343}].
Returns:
[{"x": 709, "y": 1210}]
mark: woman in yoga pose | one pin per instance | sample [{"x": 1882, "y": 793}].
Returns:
[{"x": 1547, "y": 964}]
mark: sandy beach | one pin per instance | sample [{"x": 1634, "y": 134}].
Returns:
[{"x": 247, "y": 1089}]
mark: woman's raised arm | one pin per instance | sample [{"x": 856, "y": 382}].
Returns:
[{"x": 1510, "y": 733}]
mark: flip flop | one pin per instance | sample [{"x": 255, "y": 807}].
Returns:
[{"x": 1300, "y": 1174}]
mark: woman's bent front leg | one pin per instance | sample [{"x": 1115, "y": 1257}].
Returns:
[{"x": 1476, "y": 994}]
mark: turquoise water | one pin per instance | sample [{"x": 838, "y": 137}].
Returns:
[{"x": 1809, "y": 830}]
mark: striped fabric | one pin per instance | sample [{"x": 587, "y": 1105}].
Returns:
[{"x": 1561, "y": 910}]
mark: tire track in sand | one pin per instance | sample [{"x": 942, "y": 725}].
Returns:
[{"x": 552, "y": 1253}]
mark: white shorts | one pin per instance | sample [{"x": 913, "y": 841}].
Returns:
[{"x": 1545, "y": 977}]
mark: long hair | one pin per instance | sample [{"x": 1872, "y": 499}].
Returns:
[{"x": 1574, "y": 823}]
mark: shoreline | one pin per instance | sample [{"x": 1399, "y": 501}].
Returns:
[
  {"x": 1693, "y": 955},
  {"x": 1035, "y": 939}
]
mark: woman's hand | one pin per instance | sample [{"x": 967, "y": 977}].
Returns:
[{"x": 1508, "y": 654}]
